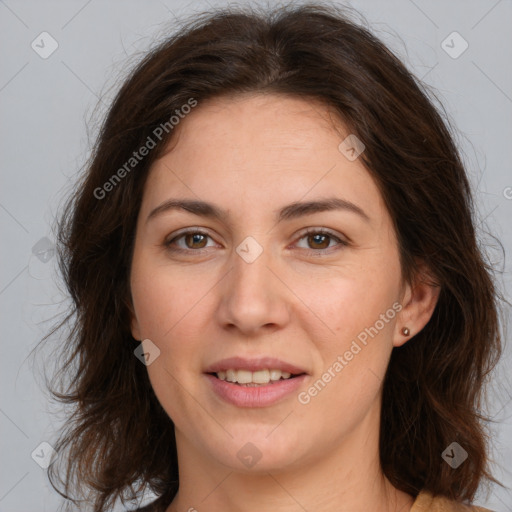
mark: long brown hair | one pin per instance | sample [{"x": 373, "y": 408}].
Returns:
[{"x": 118, "y": 439}]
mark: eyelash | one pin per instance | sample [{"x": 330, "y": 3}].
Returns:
[{"x": 309, "y": 231}]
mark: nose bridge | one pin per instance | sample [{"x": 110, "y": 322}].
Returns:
[
  {"x": 252, "y": 296},
  {"x": 250, "y": 265}
]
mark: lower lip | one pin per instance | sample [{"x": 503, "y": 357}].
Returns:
[{"x": 255, "y": 396}]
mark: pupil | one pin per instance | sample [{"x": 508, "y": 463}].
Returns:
[
  {"x": 325, "y": 237},
  {"x": 195, "y": 237}
]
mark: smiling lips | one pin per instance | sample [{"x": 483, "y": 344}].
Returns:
[
  {"x": 247, "y": 378},
  {"x": 254, "y": 365},
  {"x": 254, "y": 382}
]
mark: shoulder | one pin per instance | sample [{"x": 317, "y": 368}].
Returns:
[{"x": 425, "y": 502}]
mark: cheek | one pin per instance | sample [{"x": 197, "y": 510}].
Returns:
[
  {"x": 343, "y": 303},
  {"x": 351, "y": 367},
  {"x": 168, "y": 308},
  {"x": 163, "y": 297},
  {"x": 352, "y": 329}
]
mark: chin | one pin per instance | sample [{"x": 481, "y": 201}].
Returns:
[{"x": 260, "y": 451}]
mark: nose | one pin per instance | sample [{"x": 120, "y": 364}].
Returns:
[{"x": 254, "y": 297}]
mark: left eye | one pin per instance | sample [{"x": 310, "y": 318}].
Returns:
[{"x": 318, "y": 241}]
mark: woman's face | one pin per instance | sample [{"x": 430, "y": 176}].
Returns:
[{"x": 251, "y": 284}]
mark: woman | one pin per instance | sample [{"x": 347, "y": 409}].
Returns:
[{"x": 280, "y": 303}]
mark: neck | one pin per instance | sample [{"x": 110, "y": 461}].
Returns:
[{"x": 348, "y": 478}]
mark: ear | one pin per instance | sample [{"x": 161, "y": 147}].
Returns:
[
  {"x": 419, "y": 300},
  {"x": 134, "y": 326},
  {"x": 134, "y": 323}
]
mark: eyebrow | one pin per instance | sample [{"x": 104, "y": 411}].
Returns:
[{"x": 289, "y": 212}]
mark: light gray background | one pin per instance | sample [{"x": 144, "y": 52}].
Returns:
[{"x": 46, "y": 106}]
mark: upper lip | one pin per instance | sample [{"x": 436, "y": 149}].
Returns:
[{"x": 253, "y": 365}]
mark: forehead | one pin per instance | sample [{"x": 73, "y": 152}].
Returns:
[
  {"x": 257, "y": 151},
  {"x": 263, "y": 125}
]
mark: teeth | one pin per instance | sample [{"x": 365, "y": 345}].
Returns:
[
  {"x": 244, "y": 377},
  {"x": 247, "y": 377},
  {"x": 275, "y": 374},
  {"x": 261, "y": 377}
]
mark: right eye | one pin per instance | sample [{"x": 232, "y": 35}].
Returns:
[{"x": 194, "y": 240}]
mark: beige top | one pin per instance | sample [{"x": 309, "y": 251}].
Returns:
[{"x": 425, "y": 502}]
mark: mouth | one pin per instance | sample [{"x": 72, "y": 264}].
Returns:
[
  {"x": 260, "y": 382},
  {"x": 258, "y": 378}
]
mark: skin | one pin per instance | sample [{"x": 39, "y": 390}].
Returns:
[{"x": 303, "y": 300}]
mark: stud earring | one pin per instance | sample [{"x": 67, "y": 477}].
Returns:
[{"x": 405, "y": 331}]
